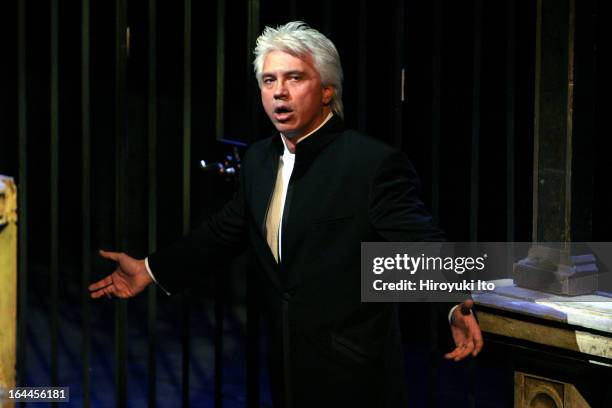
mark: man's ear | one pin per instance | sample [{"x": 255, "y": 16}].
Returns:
[{"x": 328, "y": 94}]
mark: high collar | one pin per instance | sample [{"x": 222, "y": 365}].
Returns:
[{"x": 307, "y": 149}]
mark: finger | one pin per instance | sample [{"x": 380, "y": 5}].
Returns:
[
  {"x": 478, "y": 344},
  {"x": 114, "y": 256},
  {"x": 107, "y": 291},
  {"x": 465, "y": 351},
  {"x": 455, "y": 352},
  {"x": 478, "y": 341},
  {"x": 460, "y": 352},
  {"x": 101, "y": 283},
  {"x": 451, "y": 355},
  {"x": 473, "y": 334}
]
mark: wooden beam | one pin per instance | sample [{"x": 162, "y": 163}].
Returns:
[{"x": 569, "y": 339}]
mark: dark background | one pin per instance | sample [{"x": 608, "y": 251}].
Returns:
[{"x": 466, "y": 122}]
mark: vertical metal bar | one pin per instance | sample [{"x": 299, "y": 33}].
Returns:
[
  {"x": 220, "y": 88},
  {"x": 54, "y": 193},
  {"x": 436, "y": 111},
  {"x": 252, "y": 91},
  {"x": 432, "y": 374},
  {"x": 121, "y": 47},
  {"x": 152, "y": 198},
  {"x": 186, "y": 348},
  {"x": 398, "y": 68},
  {"x": 475, "y": 156},
  {"x": 432, "y": 369},
  {"x": 253, "y": 342},
  {"x": 252, "y": 324},
  {"x": 292, "y": 9},
  {"x": 328, "y": 13},
  {"x": 475, "y": 159},
  {"x": 86, "y": 198},
  {"x": 536, "y": 121},
  {"x": 510, "y": 116},
  {"x": 220, "y": 127},
  {"x": 569, "y": 106},
  {"x": 362, "y": 98},
  {"x": 186, "y": 187},
  {"x": 219, "y": 314},
  {"x": 187, "y": 118},
  {"x": 22, "y": 324}
]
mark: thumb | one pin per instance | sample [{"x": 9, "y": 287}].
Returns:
[{"x": 114, "y": 256}]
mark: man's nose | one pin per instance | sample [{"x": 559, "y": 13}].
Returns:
[{"x": 281, "y": 90}]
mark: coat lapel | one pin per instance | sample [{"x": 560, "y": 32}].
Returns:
[
  {"x": 264, "y": 180},
  {"x": 264, "y": 183}
]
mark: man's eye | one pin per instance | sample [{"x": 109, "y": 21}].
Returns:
[
  {"x": 268, "y": 81},
  {"x": 295, "y": 77}
]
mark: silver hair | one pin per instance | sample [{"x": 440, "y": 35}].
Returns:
[{"x": 299, "y": 39}]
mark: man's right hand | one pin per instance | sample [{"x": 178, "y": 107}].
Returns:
[{"x": 130, "y": 278}]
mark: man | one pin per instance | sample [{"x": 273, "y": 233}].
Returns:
[{"x": 308, "y": 197}]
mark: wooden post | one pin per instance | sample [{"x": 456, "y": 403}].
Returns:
[
  {"x": 550, "y": 266},
  {"x": 8, "y": 277},
  {"x": 553, "y": 133}
]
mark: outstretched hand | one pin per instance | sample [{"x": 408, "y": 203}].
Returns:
[
  {"x": 129, "y": 279},
  {"x": 466, "y": 333}
]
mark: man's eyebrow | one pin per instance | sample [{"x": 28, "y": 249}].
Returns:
[{"x": 286, "y": 73}]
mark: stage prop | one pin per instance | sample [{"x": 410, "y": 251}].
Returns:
[
  {"x": 8, "y": 284},
  {"x": 547, "y": 327}
]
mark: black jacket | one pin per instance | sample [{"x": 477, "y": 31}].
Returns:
[{"x": 326, "y": 347}]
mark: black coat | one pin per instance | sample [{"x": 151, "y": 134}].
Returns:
[{"x": 326, "y": 347}]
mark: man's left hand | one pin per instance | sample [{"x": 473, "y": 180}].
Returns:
[{"x": 466, "y": 333}]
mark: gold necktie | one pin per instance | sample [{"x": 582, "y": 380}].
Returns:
[{"x": 273, "y": 219}]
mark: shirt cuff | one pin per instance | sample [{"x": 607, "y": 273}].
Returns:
[
  {"x": 153, "y": 277},
  {"x": 450, "y": 314}
]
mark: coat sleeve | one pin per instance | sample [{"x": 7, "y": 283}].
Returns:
[
  {"x": 396, "y": 211},
  {"x": 398, "y": 214},
  {"x": 221, "y": 235}
]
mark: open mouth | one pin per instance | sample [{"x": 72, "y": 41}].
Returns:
[{"x": 282, "y": 113}]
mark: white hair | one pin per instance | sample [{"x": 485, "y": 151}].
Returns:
[{"x": 298, "y": 39}]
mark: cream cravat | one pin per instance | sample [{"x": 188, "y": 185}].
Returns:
[
  {"x": 275, "y": 208},
  {"x": 274, "y": 212}
]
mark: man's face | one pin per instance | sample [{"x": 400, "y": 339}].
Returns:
[{"x": 292, "y": 94}]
